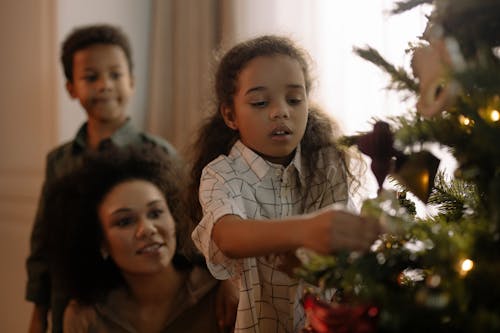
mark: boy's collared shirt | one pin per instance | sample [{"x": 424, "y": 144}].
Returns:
[
  {"x": 41, "y": 287},
  {"x": 244, "y": 184}
]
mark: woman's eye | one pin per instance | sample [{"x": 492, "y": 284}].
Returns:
[
  {"x": 155, "y": 213},
  {"x": 259, "y": 104},
  {"x": 124, "y": 221}
]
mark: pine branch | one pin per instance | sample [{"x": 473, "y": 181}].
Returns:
[
  {"x": 403, "y": 6},
  {"x": 400, "y": 80},
  {"x": 453, "y": 197}
]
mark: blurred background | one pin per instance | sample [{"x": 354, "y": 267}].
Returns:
[{"x": 174, "y": 46}]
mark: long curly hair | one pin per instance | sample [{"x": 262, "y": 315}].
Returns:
[
  {"x": 216, "y": 138},
  {"x": 75, "y": 233}
]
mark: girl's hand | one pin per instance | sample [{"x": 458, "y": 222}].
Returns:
[
  {"x": 226, "y": 306},
  {"x": 288, "y": 261},
  {"x": 332, "y": 230}
]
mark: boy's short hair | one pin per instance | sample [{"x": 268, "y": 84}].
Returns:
[{"x": 85, "y": 36}]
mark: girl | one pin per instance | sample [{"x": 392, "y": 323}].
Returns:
[
  {"x": 265, "y": 162},
  {"x": 126, "y": 257}
]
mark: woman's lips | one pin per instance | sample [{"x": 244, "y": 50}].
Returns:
[{"x": 150, "y": 248}]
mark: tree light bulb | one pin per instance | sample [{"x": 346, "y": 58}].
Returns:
[
  {"x": 495, "y": 115},
  {"x": 465, "y": 266},
  {"x": 464, "y": 120}
]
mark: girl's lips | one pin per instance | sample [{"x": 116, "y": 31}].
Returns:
[
  {"x": 281, "y": 130},
  {"x": 281, "y": 133}
]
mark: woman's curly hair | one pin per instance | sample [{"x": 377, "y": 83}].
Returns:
[{"x": 75, "y": 234}]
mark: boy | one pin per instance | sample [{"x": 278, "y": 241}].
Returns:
[{"x": 97, "y": 64}]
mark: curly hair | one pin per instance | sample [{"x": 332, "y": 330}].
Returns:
[
  {"x": 215, "y": 138},
  {"x": 85, "y": 36},
  {"x": 75, "y": 232}
]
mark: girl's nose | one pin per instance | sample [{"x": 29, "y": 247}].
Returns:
[{"x": 280, "y": 110}]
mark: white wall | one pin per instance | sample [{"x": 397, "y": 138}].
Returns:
[{"x": 133, "y": 16}]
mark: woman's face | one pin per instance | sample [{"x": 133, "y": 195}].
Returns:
[{"x": 139, "y": 230}]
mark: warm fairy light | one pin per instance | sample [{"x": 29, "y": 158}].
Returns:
[
  {"x": 464, "y": 120},
  {"x": 495, "y": 115},
  {"x": 465, "y": 266}
]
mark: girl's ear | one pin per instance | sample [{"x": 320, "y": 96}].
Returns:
[{"x": 229, "y": 119}]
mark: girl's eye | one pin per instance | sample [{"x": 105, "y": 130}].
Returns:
[
  {"x": 294, "y": 101},
  {"x": 155, "y": 213},
  {"x": 259, "y": 104}
]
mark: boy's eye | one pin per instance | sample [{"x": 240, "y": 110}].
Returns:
[
  {"x": 259, "y": 104},
  {"x": 90, "y": 78},
  {"x": 155, "y": 213}
]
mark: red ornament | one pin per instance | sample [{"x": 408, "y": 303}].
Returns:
[{"x": 338, "y": 317}]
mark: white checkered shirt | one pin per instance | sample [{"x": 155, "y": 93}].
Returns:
[{"x": 246, "y": 185}]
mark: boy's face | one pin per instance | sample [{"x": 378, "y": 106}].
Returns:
[{"x": 102, "y": 82}]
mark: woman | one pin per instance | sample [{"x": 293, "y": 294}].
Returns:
[{"x": 120, "y": 240}]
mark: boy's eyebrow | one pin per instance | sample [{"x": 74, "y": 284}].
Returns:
[
  {"x": 90, "y": 68},
  {"x": 260, "y": 88}
]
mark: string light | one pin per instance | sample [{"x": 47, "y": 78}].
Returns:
[
  {"x": 465, "y": 266},
  {"x": 465, "y": 121},
  {"x": 490, "y": 113},
  {"x": 494, "y": 115}
]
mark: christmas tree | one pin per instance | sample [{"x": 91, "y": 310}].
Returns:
[{"x": 439, "y": 273}]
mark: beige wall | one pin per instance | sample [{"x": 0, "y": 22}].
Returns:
[
  {"x": 31, "y": 120},
  {"x": 27, "y": 130}
]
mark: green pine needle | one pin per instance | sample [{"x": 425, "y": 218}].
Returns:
[{"x": 400, "y": 79}]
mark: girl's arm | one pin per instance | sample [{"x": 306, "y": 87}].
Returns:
[{"x": 325, "y": 232}]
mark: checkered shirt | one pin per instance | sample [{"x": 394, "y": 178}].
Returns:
[{"x": 246, "y": 185}]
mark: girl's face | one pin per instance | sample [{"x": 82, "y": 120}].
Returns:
[
  {"x": 139, "y": 231},
  {"x": 270, "y": 107},
  {"x": 102, "y": 82}
]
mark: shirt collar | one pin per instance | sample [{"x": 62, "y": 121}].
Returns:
[
  {"x": 261, "y": 167},
  {"x": 122, "y": 137}
]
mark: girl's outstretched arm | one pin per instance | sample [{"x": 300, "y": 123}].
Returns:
[{"x": 325, "y": 232}]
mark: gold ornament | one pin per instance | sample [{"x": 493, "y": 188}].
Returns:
[{"x": 416, "y": 172}]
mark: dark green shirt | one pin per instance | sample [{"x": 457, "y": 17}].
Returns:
[{"x": 42, "y": 287}]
